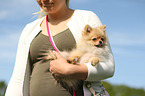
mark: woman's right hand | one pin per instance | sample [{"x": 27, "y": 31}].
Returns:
[{"x": 61, "y": 68}]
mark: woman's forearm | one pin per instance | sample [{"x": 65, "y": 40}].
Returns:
[{"x": 78, "y": 71}]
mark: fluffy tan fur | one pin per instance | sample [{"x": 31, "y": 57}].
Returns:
[{"x": 92, "y": 43}]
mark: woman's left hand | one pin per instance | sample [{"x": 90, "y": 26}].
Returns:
[{"x": 59, "y": 67}]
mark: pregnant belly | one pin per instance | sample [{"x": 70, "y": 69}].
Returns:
[{"x": 42, "y": 82}]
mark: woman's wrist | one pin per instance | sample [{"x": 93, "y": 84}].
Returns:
[
  {"x": 61, "y": 68},
  {"x": 78, "y": 71}
]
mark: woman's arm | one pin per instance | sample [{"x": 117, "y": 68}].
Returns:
[
  {"x": 15, "y": 86},
  {"x": 61, "y": 68},
  {"x": 104, "y": 69}
]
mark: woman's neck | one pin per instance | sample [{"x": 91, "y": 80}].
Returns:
[{"x": 60, "y": 15}]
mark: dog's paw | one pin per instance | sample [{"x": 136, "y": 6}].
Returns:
[
  {"x": 95, "y": 61},
  {"x": 73, "y": 60}
]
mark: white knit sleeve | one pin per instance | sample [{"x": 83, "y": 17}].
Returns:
[{"x": 15, "y": 86}]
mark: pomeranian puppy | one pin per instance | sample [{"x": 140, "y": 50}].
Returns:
[{"x": 90, "y": 48}]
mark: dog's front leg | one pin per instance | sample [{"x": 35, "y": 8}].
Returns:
[
  {"x": 94, "y": 61},
  {"x": 75, "y": 56}
]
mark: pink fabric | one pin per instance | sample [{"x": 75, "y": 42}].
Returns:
[{"x": 49, "y": 35}]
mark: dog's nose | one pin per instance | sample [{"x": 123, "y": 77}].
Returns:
[{"x": 100, "y": 42}]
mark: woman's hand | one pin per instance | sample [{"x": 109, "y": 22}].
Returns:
[{"x": 61, "y": 68}]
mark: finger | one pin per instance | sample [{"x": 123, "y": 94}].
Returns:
[
  {"x": 57, "y": 54},
  {"x": 58, "y": 75},
  {"x": 50, "y": 69}
]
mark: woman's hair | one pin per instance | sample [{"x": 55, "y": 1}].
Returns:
[{"x": 42, "y": 13}]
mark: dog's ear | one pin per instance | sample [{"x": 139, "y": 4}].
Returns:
[
  {"x": 88, "y": 28},
  {"x": 103, "y": 28}
]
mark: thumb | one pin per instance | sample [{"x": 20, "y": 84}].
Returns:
[{"x": 57, "y": 54}]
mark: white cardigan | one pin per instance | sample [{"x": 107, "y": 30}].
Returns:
[{"x": 19, "y": 82}]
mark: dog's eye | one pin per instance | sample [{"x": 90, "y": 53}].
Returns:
[
  {"x": 102, "y": 38},
  {"x": 88, "y": 29},
  {"x": 94, "y": 39}
]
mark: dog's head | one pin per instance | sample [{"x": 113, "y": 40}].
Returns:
[{"x": 95, "y": 36}]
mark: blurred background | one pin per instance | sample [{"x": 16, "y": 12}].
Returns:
[{"x": 125, "y": 20}]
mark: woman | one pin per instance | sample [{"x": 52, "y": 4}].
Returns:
[{"x": 66, "y": 26}]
